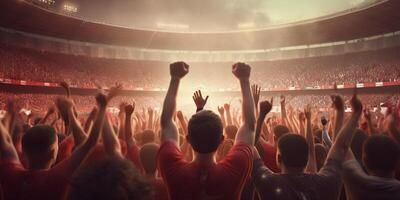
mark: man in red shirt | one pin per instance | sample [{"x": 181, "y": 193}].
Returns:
[
  {"x": 203, "y": 178},
  {"x": 41, "y": 181}
]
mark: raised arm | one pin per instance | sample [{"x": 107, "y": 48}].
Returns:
[
  {"x": 265, "y": 108},
  {"x": 168, "y": 129},
  {"x": 394, "y": 121},
  {"x": 130, "y": 141},
  {"x": 342, "y": 144},
  {"x": 227, "y": 108},
  {"x": 338, "y": 104},
  {"x": 66, "y": 105},
  {"x": 312, "y": 163},
  {"x": 221, "y": 112},
  {"x": 90, "y": 119},
  {"x": 7, "y": 149},
  {"x": 81, "y": 152},
  {"x": 256, "y": 90},
  {"x": 110, "y": 139},
  {"x": 246, "y": 131}
]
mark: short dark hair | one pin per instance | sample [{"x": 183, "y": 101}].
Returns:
[
  {"x": 293, "y": 149},
  {"x": 357, "y": 143},
  {"x": 38, "y": 140},
  {"x": 205, "y": 131},
  {"x": 148, "y": 157},
  {"x": 231, "y": 131},
  {"x": 148, "y": 136},
  {"x": 280, "y": 130},
  {"x": 112, "y": 179},
  {"x": 381, "y": 153}
]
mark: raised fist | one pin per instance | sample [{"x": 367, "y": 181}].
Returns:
[
  {"x": 221, "y": 110},
  {"x": 241, "y": 70},
  {"x": 178, "y": 69},
  {"x": 265, "y": 107},
  {"x": 337, "y": 102},
  {"x": 101, "y": 100},
  {"x": 227, "y": 106},
  {"x": 129, "y": 109},
  {"x": 356, "y": 104}
]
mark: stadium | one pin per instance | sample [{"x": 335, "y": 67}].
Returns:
[{"x": 304, "y": 60}]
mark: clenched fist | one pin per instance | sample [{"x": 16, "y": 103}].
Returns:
[
  {"x": 241, "y": 70},
  {"x": 178, "y": 69}
]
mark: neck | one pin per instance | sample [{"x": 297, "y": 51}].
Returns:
[
  {"x": 292, "y": 170},
  {"x": 207, "y": 158},
  {"x": 38, "y": 166}
]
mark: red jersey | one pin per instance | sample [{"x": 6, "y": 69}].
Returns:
[
  {"x": 270, "y": 157},
  {"x": 19, "y": 183},
  {"x": 190, "y": 180}
]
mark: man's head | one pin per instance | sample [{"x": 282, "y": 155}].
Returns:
[
  {"x": 357, "y": 143},
  {"x": 40, "y": 146},
  {"x": 109, "y": 179},
  {"x": 230, "y": 131},
  {"x": 279, "y": 131},
  {"x": 292, "y": 152},
  {"x": 148, "y": 136},
  {"x": 205, "y": 131},
  {"x": 148, "y": 158},
  {"x": 381, "y": 154}
]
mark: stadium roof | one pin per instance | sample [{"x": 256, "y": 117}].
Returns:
[{"x": 380, "y": 18}]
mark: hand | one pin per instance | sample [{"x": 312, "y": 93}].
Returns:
[
  {"x": 356, "y": 104},
  {"x": 66, "y": 87},
  {"x": 307, "y": 112},
  {"x": 241, "y": 70},
  {"x": 101, "y": 100},
  {"x": 129, "y": 109},
  {"x": 283, "y": 100},
  {"x": 302, "y": 117},
  {"x": 64, "y": 104},
  {"x": 198, "y": 100},
  {"x": 150, "y": 111},
  {"x": 113, "y": 92},
  {"x": 367, "y": 114},
  {"x": 178, "y": 69},
  {"x": 256, "y": 90},
  {"x": 221, "y": 110},
  {"x": 227, "y": 107},
  {"x": 51, "y": 110},
  {"x": 266, "y": 107},
  {"x": 179, "y": 115},
  {"x": 337, "y": 102}
]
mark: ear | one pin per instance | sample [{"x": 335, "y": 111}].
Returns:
[
  {"x": 187, "y": 138},
  {"x": 279, "y": 160}
]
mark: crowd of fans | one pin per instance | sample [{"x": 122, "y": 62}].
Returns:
[
  {"x": 85, "y": 72},
  {"x": 106, "y": 147}
]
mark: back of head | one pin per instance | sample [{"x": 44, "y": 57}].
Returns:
[
  {"x": 148, "y": 157},
  {"x": 279, "y": 131},
  {"x": 39, "y": 140},
  {"x": 293, "y": 150},
  {"x": 109, "y": 179},
  {"x": 231, "y": 131},
  {"x": 381, "y": 153},
  {"x": 205, "y": 131},
  {"x": 148, "y": 136},
  {"x": 357, "y": 143}
]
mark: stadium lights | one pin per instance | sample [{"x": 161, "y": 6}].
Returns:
[
  {"x": 68, "y": 7},
  {"x": 48, "y": 2},
  {"x": 172, "y": 26}
]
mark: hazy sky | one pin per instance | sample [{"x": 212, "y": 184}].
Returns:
[{"x": 209, "y": 14}]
